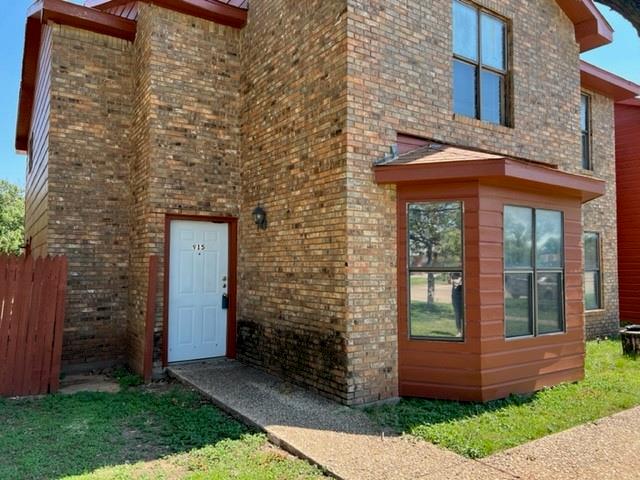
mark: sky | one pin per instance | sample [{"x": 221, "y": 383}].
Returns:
[{"x": 622, "y": 57}]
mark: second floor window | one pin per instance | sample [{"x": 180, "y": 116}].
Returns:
[
  {"x": 585, "y": 128},
  {"x": 479, "y": 63}
]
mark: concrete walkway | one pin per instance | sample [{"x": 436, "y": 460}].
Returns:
[{"x": 347, "y": 445}]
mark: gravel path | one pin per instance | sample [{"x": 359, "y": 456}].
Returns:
[{"x": 349, "y": 446}]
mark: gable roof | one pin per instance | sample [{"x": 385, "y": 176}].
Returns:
[
  {"x": 592, "y": 29},
  {"x": 607, "y": 83}
]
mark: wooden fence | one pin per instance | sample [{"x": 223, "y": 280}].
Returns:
[{"x": 32, "y": 295}]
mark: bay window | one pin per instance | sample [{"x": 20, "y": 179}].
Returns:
[
  {"x": 533, "y": 271},
  {"x": 435, "y": 269}
]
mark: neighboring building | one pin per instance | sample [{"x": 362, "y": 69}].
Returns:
[
  {"x": 421, "y": 175},
  {"x": 627, "y": 114},
  {"x": 600, "y": 91}
]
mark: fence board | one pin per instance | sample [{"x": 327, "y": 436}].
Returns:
[{"x": 32, "y": 295}]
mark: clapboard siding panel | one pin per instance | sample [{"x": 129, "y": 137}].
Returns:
[
  {"x": 627, "y": 121},
  {"x": 36, "y": 195}
]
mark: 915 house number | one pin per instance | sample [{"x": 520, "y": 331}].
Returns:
[{"x": 198, "y": 247}]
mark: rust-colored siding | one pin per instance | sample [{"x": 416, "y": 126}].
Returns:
[
  {"x": 486, "y": 365},
  {"x": 127, "y": 10},
  {"x": 37, "y": 188},
  {"x": 627, "y": 121}
]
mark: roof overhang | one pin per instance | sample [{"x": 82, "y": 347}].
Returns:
[
  {"x": 592, "y": 29},
  {"x": 92, "y": 17},
  {"x": 227, "y": 12},
  {"x": 606, "y": 83},
  {"x": 61, "y": 12},
  {"x": 423, "y": 166}
]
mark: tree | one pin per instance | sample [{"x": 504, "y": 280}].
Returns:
[
  {"x": 629, "y": 9},
  {"x": 434, "y": 238},
  {"x": 11, "y": 217}
]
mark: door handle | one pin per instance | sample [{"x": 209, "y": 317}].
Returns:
[{"x": 225, "y": 301}]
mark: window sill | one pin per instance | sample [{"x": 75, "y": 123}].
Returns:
[
  {"x": 474, "y": 122},
  {"x": 598, "y": 311}
]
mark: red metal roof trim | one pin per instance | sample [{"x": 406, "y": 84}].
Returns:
[
  {"x": 592, "y": 29},
  {"x": 607, "y": 83},
  {"x": 226, "y": 12},
  {"x": 64, "y": 13}
]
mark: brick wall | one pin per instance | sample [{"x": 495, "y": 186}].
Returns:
[
  {"x": 600, "y": 216},
  {"x": 186, "y": 133},
  {"x": 400, "y": 80},
  {"x": 89, "y": 154},
  {"x": 292, "y": 276}
]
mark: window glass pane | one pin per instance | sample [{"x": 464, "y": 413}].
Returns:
[
  {"x": 465, "y": 30},
  {"x": 437, "y": 304},
  {"x": 492, "y": 44},
  {"x": 586, "y": 151},
  {"x": 591, "y": 253},
  {"x": 584, "y": 113},
  {"x": 549, "y": 302},
  {"x": 517, "y": 304},
  {"x": 592, "y": 290},
  {"x": 491, "y": 97},
  {"x": 518, "y": 236},
  {"x": 435, "y": 235},
  {"x": 464, "y": 89},
  {"x": 548, "y": 239}
]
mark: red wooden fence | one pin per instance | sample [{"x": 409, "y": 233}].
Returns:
[{"x": 32, "y": 294}]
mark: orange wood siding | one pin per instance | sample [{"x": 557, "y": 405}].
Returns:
[
  {"x": 486, "y": 365},
  {"x": 627, "y": 118},
  {"x": 36, "y": 195}
]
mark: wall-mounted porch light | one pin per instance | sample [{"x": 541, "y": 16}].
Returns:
[{"x": 260, "y": 217}]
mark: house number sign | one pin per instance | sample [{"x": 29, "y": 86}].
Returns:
[{"x": 198, "y": 247}]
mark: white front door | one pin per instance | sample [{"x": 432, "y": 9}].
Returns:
[{"x": 198, "y": 279}]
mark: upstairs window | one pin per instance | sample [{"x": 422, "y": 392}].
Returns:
[
  {"x": 479, "y": 63},
  {"x": 592, "y": 275},
  {"x": 534, "y": 272},
  {"x": 585, "y": 128}
]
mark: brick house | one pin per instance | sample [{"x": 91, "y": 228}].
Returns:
[{"x": 369, "y": 198}]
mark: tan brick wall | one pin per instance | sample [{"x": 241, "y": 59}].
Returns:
[
  {"x": 292, "y": 276},
  {"x": 89, "y": 154},
  {"x": 600, "y": 216},
  {"x": 187, "y": 138},
  {"x": 400, "y": 79}
]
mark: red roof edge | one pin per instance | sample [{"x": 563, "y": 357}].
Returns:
[
  {"x": 64, "y": 13},
  {"x": 223, "y": 12},
  {"x": 604, "y": 82},
  {"x": 592, "y": 29}
]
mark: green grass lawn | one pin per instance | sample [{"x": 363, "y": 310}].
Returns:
[
  {"x": 171, "y": 434},
  {"x": 432, "y": 320},
  {"x": 612, "y": 383}
]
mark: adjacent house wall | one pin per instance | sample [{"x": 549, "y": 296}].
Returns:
[
  {"x": 88, "y": 208},
  {"x": 627, "y": 121},
  {"x": 292, "y": 276},
  {"x": 37, "y": 186},
  {"x": 600, "y": 215},
  {"x": 186, "y": 138}
]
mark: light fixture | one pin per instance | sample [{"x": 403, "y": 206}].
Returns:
[{"x": 260, "y": 217}]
